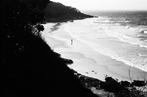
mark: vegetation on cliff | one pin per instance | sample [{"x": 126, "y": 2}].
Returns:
[
  {"x": 57, "y": 12},
  {"x": 30, "y": 67}
]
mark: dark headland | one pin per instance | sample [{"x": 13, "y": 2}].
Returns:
[
  {"x": 57, "y": 12},
  {"x": 29, "y": 66}
]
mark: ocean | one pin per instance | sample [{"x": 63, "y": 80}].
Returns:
[{"x": 112, "y": 44}]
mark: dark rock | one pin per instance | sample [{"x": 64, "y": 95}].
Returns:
[
  {"x": 125, "y": 83},
  {"x": 138, "y": 83}
]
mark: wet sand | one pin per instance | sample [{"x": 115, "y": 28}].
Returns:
[{"x": 87, "y": 53}]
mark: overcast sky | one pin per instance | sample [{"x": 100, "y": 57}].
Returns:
[{"x": 106, "y": 4}]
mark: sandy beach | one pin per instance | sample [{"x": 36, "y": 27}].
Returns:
[{"x": 95, "y": 53}]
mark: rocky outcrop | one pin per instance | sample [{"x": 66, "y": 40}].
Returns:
[{"x": 112, "y": 88}]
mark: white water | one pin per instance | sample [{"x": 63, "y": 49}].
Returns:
[{"x": 105, "y": 48}]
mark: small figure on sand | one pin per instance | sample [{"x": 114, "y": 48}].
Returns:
[{"x": 71, "y": 41}]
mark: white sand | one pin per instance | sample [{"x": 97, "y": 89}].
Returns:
[{"x": 94, "y": 53}]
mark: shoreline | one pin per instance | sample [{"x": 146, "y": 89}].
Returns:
[{"x": 69, "y": 46}]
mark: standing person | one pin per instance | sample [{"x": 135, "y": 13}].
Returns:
[{"x": 71, "y": 41}]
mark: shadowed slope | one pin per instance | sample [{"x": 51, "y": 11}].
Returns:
[{"x": 30, "y": 67}]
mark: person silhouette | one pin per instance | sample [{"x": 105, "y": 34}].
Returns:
[{"x": 71, "y": 41}]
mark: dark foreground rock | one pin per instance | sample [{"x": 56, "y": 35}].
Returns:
[
  {"x": 112, "y": 88},
  {"x": 30, "y": 67}
]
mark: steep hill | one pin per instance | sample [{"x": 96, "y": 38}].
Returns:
[{"x": 57, "y": 12}]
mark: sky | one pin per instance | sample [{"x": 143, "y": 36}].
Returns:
[{"x": 106, "y": 5}]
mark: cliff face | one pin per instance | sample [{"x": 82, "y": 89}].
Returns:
[{"x": 30, "y": 67}]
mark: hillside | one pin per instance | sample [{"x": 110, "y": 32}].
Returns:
[
  {"x": 57, "y": 12},
  {"x": 29, "y": 66}
]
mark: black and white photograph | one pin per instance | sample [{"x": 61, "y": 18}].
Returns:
[{"x": 74, "y": 48}]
